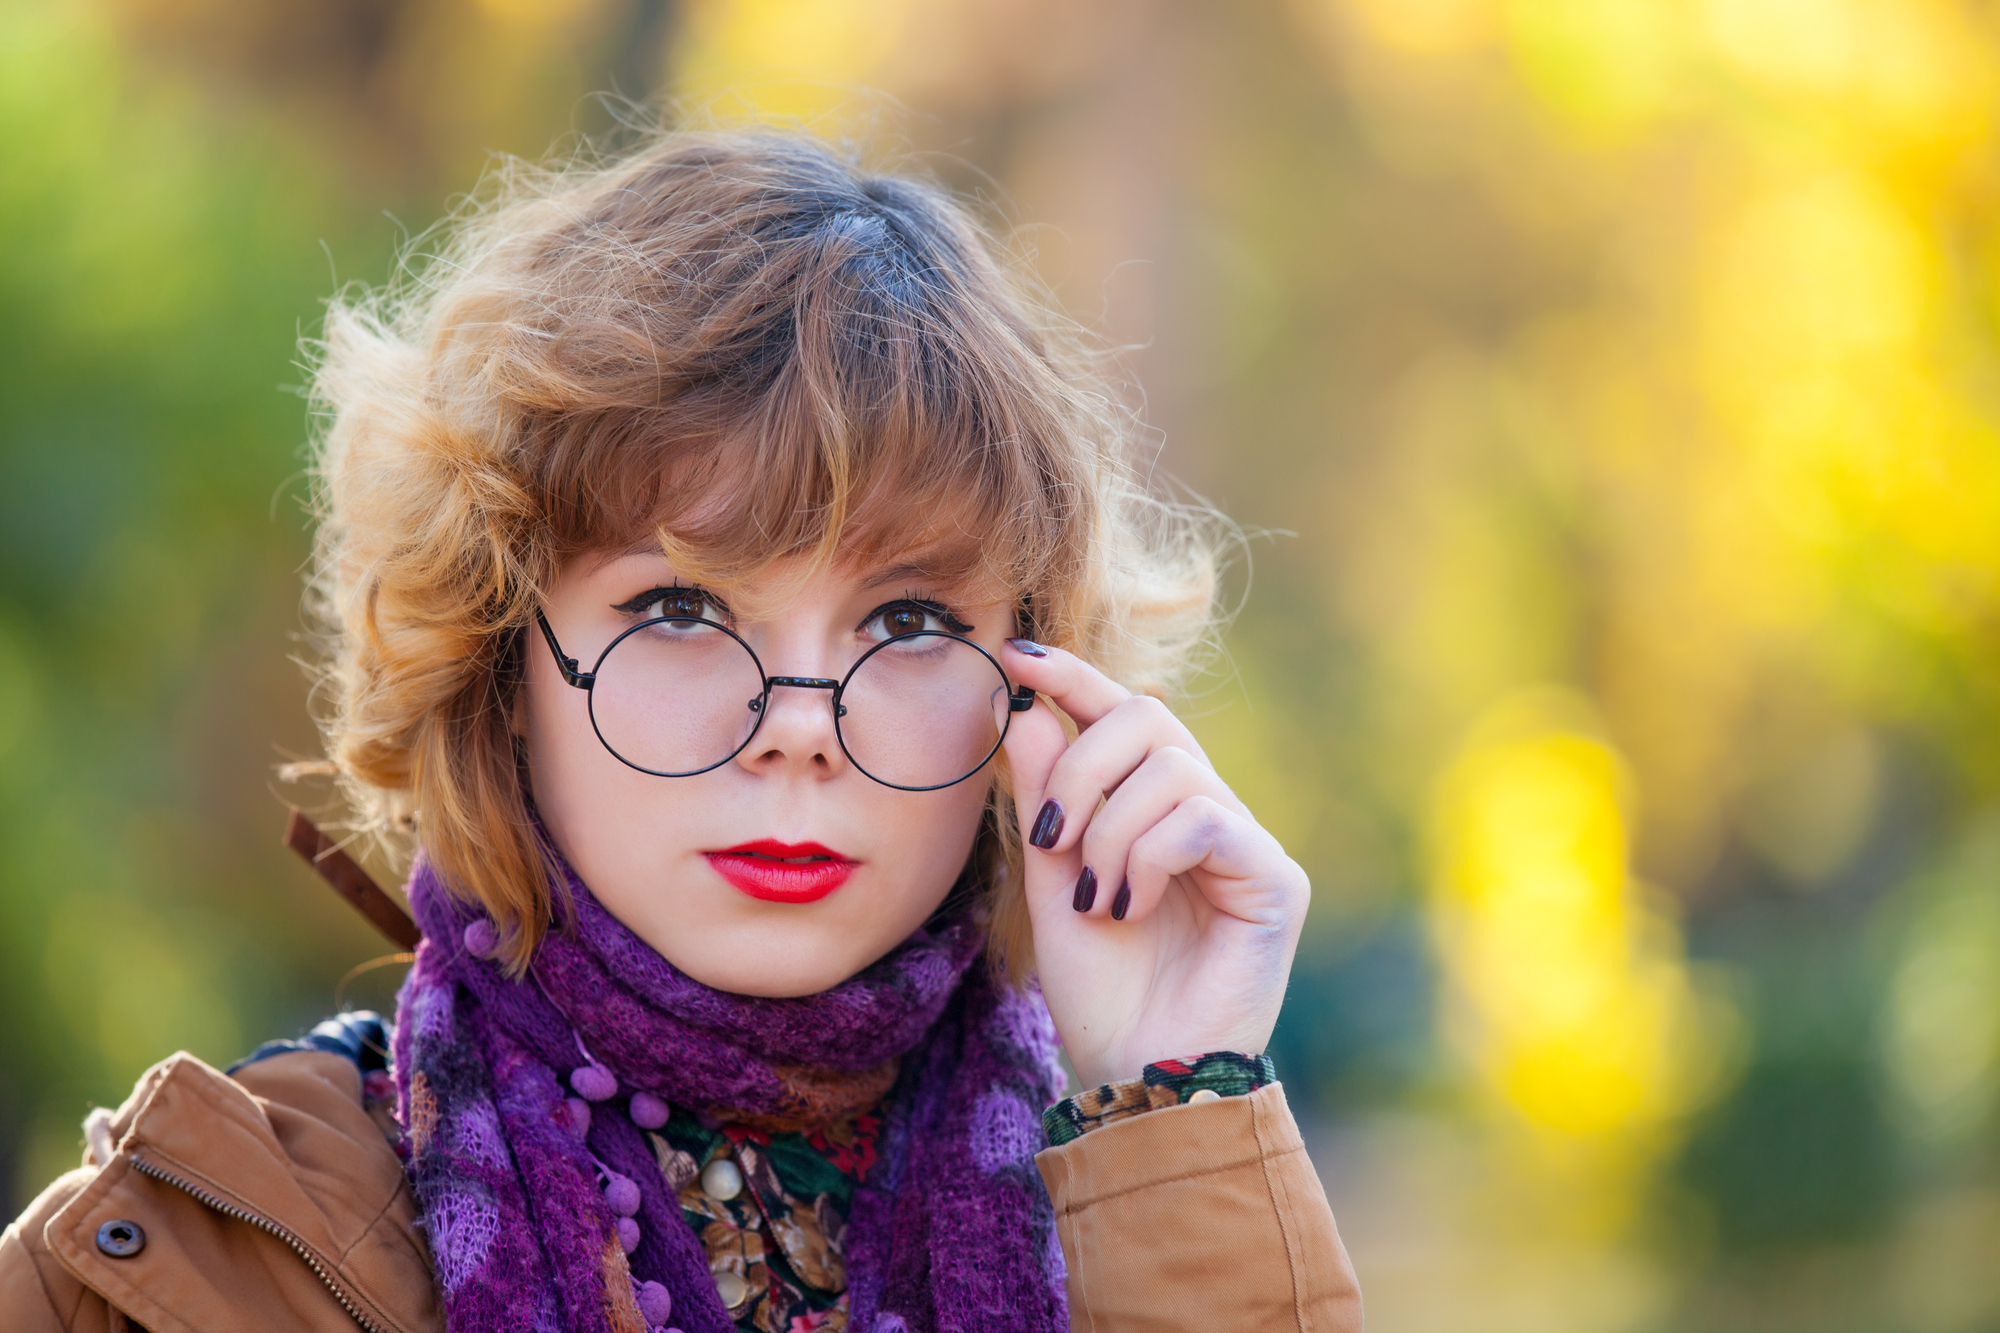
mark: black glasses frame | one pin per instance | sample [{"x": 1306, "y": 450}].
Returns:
[{"x": 1019, "y": 699}]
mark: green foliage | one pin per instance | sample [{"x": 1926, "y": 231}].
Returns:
[{"x": 156, "y": 264}]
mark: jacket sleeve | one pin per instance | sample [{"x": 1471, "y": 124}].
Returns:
[{"x": 1205, "y": 1216}]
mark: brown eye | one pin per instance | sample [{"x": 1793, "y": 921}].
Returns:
[
  {"x": 688, "y": 603},
  {"x": 908, "y": 616}
]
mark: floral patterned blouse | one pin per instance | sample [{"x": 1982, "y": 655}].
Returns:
[{"x": 772, "y": 1208}]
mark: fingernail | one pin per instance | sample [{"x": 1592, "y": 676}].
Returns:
[
  {"x": 1086, "y": 890},
  {"x": 1028, "y": 646},
  {"x": 1048, "y": 826},
  {"x": 1122, "y": 902}
]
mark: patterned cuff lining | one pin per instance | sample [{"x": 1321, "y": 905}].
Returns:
[{"x": 1168, "y": 1083}]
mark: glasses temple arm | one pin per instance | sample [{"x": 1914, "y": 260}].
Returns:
[
  {"x": 1021, "y": 700},
  {"x": 566, "y": 664}
]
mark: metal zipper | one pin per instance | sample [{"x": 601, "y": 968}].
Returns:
[{"x": 228, "y": 1209}]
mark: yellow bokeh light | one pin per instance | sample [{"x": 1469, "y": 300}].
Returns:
[
  {"x": 1572, "y": 1002},
  {"x": 1815, "y": 44},
  {"x": 1905, "y": 70},
  {"x": 787, "y": 59},
  {"x": 1608, "y": 65},
  {"x": 1820, "y": 272}
]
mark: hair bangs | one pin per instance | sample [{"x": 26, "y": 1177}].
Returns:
[{"x": 875, "y": 406}]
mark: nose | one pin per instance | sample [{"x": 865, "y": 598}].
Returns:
[{"x": 798, "y": 731}]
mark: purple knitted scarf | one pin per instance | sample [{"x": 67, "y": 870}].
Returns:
[{"x": 524, "y": 1102}]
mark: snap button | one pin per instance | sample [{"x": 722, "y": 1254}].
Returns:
[
  {"x": 731, "y": 1288},
  {"x": 722, "y": 1179},
  {"x": 121, "y": 1239},
  {"x": 1204, "y": 1095}
]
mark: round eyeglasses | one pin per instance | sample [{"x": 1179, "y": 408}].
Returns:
[{"x": 678, "y": 695}]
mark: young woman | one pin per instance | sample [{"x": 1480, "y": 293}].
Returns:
[{"x": 737, "y": 589}]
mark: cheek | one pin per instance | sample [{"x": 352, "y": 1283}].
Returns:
[
  {"x": 580, "y": 790},
  {"x": 934, "y": 831},
  {"x": 555, "y": 720}
]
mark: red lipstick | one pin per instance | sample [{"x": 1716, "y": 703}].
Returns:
[{"x": 782, "y": 872}]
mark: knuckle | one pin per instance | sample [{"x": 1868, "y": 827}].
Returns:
[
  {"x": 1200, "y": 822},
  {"x": 1069, "y": 769},
  {"x": 1211, "y": 818}
]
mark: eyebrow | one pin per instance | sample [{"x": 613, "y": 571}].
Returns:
[
  {"x": 641, "y": 546},
  {"x": 901, "y": 573},
  {"x": 907, "y": 571}
]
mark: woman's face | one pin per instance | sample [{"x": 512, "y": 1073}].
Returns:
[{"x": 785, "y": 870}]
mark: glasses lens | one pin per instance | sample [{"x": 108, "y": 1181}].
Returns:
[
  {"x": 924, "y": 710},
  {"x": 676, "y": 697}
]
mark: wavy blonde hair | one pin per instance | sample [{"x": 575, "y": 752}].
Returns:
[{"x": 740, "y": 345}]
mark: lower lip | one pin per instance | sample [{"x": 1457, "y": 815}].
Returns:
[{"x": 781, "y": 881}]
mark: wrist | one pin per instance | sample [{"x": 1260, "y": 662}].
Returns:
[
  {"x": 1130, "y": 1062},
  {"x": 1163, "y": 1083}
]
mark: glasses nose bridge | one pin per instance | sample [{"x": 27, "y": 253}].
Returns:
[{"x": 804, "y": 683}]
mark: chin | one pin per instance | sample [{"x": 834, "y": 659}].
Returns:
[
  {"x": 789, "y": 989},
  {"x": 771, "y": 969},
  {"x": 768, "y": 986}
]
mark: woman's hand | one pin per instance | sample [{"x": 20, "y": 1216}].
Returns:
[{"x": 1165, "y": 920}]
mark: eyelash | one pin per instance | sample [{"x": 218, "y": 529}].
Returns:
[
  {"x": 645, "y": 601},
  {"x": 924, "y": 604}
]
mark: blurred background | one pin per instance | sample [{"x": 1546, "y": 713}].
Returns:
[{"x": 1614, "y": 382}]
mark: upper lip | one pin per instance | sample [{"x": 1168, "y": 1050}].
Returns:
[{"x": 782, "y": 851}]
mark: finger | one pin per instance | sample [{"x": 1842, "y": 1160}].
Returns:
[
  {"x": 1103, "y": 758},
  {"x": 1071, "y": 683},
  {"x": 1167, "y": 779},
  {"x": 1035, "y": 741},
  {"x": 1201, "y": 834}
]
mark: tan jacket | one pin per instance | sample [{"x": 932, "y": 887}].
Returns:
[{"x": 272, "y": 1201}]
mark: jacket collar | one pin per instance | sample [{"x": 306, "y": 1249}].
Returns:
[{"x": 284, "y": 1149}]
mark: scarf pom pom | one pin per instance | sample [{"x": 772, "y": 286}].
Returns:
[
  {"x": 648, "y": 1112},
  {"x": 594, "y": 1083},
  {"x": 654, "y": 1302},
  {"x": 622, "y": 1193},
  {"x": 481, "y": 939},
  {"x": 628, "y": 1234}
]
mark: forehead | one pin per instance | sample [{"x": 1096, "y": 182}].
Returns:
[{"x": 774, "y": 585}]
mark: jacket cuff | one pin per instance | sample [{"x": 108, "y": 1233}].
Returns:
[
  {"x": 1206, "y": 1216},
  {"x": 1167, "y": 1083}
]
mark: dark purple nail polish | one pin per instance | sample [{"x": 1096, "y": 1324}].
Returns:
[
  {"x": 1086, "y": 890},
  {"x": 1122, "y": 903},
  {"x": 1028, "y": 646},
  {"x": 1048, "y": 826}
]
